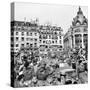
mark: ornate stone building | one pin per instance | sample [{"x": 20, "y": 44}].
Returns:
[
  {"x": 68, "y": 42},
  {"x": 24, "y": 34},
  {"x": 77, "y": 35},
  {"x": 33, "y": 35},
  {"x": 51, "y": 38}
]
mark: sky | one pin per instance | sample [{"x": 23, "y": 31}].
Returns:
[{"x": 59, "y": 15}]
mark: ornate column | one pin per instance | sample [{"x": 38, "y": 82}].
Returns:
[
  {"x": 70, "y": 39},
  {"x": 73, "y": 41},
  {"x": 82, "y": 41}
]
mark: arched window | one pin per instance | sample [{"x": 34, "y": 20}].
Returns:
[{"x": 78, "y": 23}]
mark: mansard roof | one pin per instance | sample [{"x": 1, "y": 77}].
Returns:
[{"x": 23, "y": 23}]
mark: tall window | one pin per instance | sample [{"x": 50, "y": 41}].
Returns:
[
  {"x": 31, "y": 45},
  {"x": 60, "y": 41},
  {"x": 30, "y": 34},
  {"x": 60, "y": 46},
  {"x": 27, "y": 43},
  {"x": 60, "y": 33},
  {"x": 40, "y": 41},
  {"x": 40, "y": 36},
  {"x": 31, "y": 39},
  {"x": 56, "y": 41},
  {"x": 12, "y": 34},
  {"x": 27, "y": 33},
  {"x": 16, "y": 33},
  {"x": 55, "y": 33},
  {"x": 17, "y": 45},
  {"x": 35, "y": 44},
  {"x": 52, "y": 41},
  {"x": 17, "y": 38},
  {"x": 43, "y": 41},
  {"x": 12, "y": 45},
  {"x": 12, "y": 38},
  {"x": 56, "y": 37},
  {"x": 49, "y": 36},
  {"x": 22, "y": 45},
  {"x": 22, "y": 38},
  {"x": 27, "y": 39},
  {"x": 35, "y": 34},
  {"x": 60, "y": 37},
  {"x": 22, "y": 33},
  {"x": 35, "y": 39}
]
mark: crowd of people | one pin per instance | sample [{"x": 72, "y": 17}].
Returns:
[{"x": 34, "y": 69}]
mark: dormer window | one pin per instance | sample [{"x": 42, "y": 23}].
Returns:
[
  {"x": 85, "y": 22},
  {"x": 77, "y": 23}
]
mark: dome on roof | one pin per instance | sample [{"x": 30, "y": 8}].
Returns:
[{"x": 80, "y": 19}]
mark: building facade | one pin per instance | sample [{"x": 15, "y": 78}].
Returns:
[
  {"x": 51, "y": 38},
  {"x": 77, "y": 35},
  {"x": 33, "y": 35},
  {"x": 68, "y": 41},
  {"x": 24, "y": 34}
]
